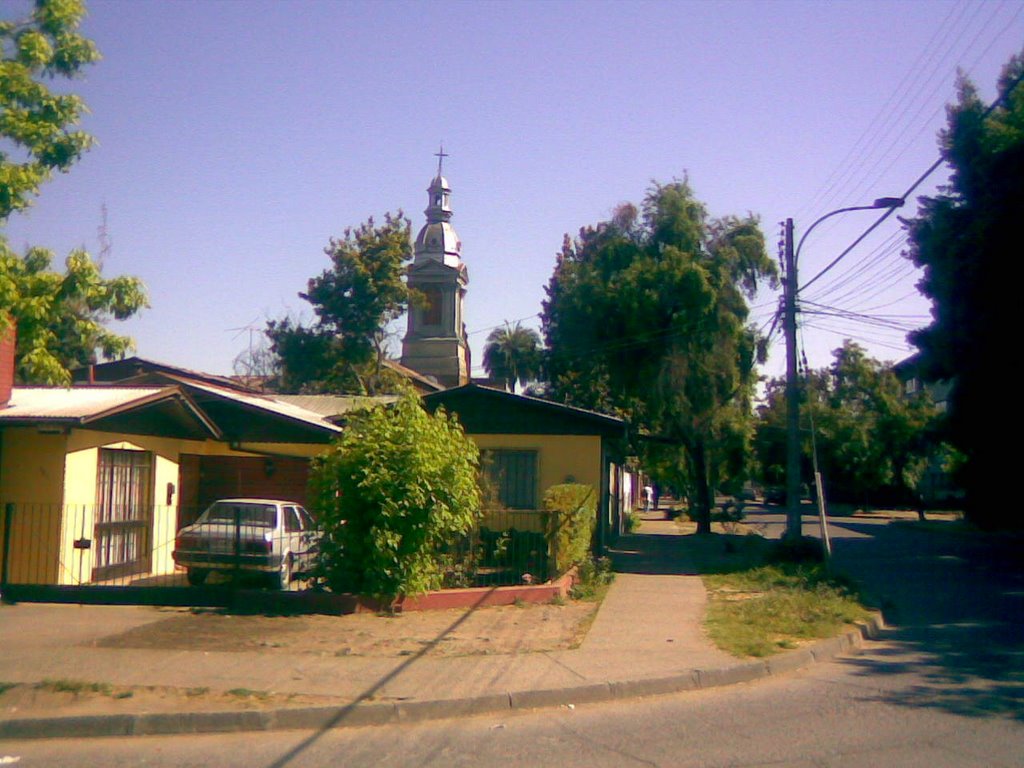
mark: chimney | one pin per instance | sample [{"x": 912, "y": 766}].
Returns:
[{"x": 8, "y": 338}]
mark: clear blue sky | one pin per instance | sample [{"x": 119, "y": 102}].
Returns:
[{"x": 235, "y": 138}]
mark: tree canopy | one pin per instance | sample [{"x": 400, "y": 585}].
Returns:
[
  {"x": 59, "y": 317},
  {"x": 965, "y": 238},
  {"x": 363, "y": 290},
  {"x": 872, "y": 438},
  {"x": 513, "y": 355},
  {"x": 37, "y": 126},
  {"x": 646, "y": 316}
]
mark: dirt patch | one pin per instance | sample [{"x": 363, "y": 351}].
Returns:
[
  {"x": 457, "y": 632},
  {"x": 62, "y": 698}
]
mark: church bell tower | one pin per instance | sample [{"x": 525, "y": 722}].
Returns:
[{"x": 435, "y": 339}]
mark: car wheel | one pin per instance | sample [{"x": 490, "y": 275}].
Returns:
[{"x": 197, "y": 576}]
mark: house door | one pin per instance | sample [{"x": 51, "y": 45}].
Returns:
[{"x": 124, "y": 514}]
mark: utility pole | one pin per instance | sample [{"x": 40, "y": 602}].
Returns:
[{"x": 793, "y": 525}]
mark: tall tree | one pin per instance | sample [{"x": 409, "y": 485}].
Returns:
[
  {"x": 646, "y": 316},
  {"x": 363, "y": 290},
  {"x": 966, "y": 238},
  {"x": 512, "y": 355},
  {"x": 59, "y": 317}
]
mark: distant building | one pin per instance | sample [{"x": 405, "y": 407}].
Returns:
[
  {"x": 908, "y": 371},
  {"x": 435, "y": 341}
]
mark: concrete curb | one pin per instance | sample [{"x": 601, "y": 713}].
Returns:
[{"x": 381, "y": 713}]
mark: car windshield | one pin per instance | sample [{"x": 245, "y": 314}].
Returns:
[{"x": 264, "y": 515}]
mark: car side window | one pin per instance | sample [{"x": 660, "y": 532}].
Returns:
[
  {"x": 292, "y": 524},
  {"x": 307, "y": 519}
]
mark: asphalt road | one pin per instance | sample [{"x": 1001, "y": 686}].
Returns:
[{"x": 945, "y": 687}]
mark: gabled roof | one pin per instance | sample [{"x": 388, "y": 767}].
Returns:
[
  {"x": 250, "y": 417},
  {"x": 159, "y": 411},
  {"x": 131, "y": 367},
  {"x": 483, "y": 410}
]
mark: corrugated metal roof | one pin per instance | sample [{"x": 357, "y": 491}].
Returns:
[
  {"x": 334, "y": 405},
  {"x": 78, "y": 403},
  {"x": 266, "y": 403}
]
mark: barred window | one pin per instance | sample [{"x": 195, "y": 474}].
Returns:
[
  {"x": 513, "y": 475},
  {"x": 124, "y": 493}
]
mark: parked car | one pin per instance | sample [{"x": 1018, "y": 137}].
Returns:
[{"x": 252, "y": 536}]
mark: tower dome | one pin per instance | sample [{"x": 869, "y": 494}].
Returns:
[{"x": 437, "y": 240}]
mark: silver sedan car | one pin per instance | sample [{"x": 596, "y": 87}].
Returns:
[{"x": 265, "y": 536}]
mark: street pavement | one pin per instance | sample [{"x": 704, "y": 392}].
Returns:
[{"x": 646, "y": 639}]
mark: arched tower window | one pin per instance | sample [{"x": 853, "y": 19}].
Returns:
[{"x": 432, "y": 307}]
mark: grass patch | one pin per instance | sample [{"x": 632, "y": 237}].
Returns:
[
  {"x": 248, "y": 693},
  {"x": 761, "y": 603},
  {"x": 5, "y": 687},
  {"x": 65, "y": 685}
]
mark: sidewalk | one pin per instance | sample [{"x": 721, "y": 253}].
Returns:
[{"x": 646, "y": 639}]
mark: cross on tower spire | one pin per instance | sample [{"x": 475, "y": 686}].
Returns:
[{"x": 440, "y": 158}]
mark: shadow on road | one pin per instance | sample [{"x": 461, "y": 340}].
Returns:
[
  {"x": 955, "y": 608},
  {"x": 345, "y": 712}
]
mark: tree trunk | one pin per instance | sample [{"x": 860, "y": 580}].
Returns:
[{"x": 700, "y": 480}]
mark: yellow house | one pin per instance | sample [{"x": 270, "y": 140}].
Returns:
[
  {"x": 96, "y": 480},
  {"x": 529, "y": 444}
]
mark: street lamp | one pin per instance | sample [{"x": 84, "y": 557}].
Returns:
[
  {"x": 882, "y": 202},
  {"x": 790, "y": 290}
]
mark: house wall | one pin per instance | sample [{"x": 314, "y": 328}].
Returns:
[
  {"x": 561, "y": 458},
  {"x": 32, "y": 480},
  {"x": 51, "y": 479},
  {"x": 80, "y": 477}
]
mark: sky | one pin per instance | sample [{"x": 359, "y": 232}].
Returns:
[{"x": 235, "y": 138}]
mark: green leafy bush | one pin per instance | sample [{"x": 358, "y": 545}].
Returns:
[
  {"x": 570, "y": 518},
  {"x": 391, "y": 495},
  {"x": 594, "y": 574}
]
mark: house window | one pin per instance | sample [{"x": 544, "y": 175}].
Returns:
[
  {"x": 513, "y": 477},
  {"x": 124, "y": 494}
]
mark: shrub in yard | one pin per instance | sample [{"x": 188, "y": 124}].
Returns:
[
  {"x": 391, "y": 494},
  {"x": 570, "y": 518}
]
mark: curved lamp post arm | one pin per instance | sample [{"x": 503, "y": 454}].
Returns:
[{"x": 882, "y": 202}]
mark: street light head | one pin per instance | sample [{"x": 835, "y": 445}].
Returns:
[{"x": 888, "y": 202}]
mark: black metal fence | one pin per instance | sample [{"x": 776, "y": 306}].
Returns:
[
  {"x": 509, "y": 547},
  {"x": 85, "y": 549}
]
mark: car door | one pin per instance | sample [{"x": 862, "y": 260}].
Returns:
[{"x": 299, "y": 535}]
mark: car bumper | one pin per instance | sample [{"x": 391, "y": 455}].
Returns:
[{"x": 215, "y": 561}]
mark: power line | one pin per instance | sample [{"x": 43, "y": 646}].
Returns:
[{"x": 920, "y": 180}]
